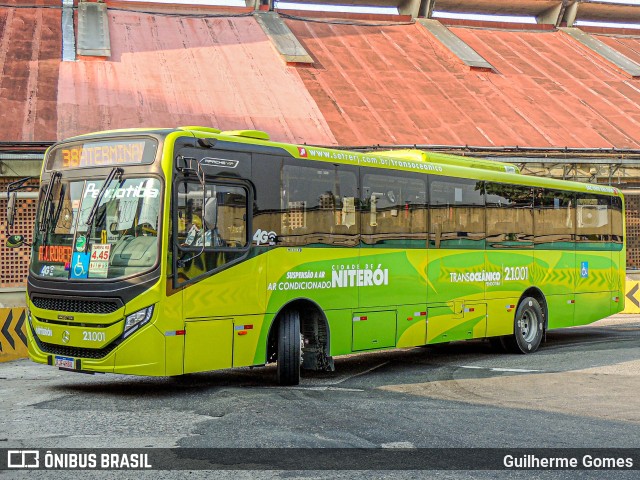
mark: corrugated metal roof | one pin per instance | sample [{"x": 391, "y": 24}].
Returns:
[
  {"x": 625, "y": 44},
  {"x": 370, "y": 84},
  {"x": 30, "y": 43},
  {"x": 397, "y": 85},
  {"x": 568, "y": 93},
  {"x": 167, "y": 71},
  {"x": 164, "y": 71}
]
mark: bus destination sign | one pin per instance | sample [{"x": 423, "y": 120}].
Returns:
[{"x": 103, "y": 154}]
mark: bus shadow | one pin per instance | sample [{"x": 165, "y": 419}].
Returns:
[
  {"x": 134, "y": 386},
  {"x": 466, "y": 359},
  {"x": 565, "y": 350}
]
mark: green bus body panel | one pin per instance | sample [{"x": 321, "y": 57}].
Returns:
[
  {"x": 412, "y": 325},
  {"x": 446, "y": 271},
  {"x": 410, "y": 295},
  {"x": 456, "y": 322},
  {"x": 561, "y": 310},
  {"x": 284, "y": 275},
  {"x": 373, "y": 330},
  {"x": 497, "y": 261},
  {"x": 591, "y": 307},
  {"x": 208, "y": 345}
]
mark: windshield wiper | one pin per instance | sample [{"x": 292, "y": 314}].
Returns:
[
  {"x": 48, "y": 198},
  {"x": 56, "y": 216},
  {"x": 116, "y": 171}
]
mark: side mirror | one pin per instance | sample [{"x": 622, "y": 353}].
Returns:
[
  {"x": 15, "y": 241},
  {"x": 11, "y": 209}
]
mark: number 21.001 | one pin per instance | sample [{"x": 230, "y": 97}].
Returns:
[
  {"x": 94, "y": 336},
  {"x": 516, "y": 273}
]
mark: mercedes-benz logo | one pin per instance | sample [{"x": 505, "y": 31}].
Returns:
[{"x": 65, "y": 336}]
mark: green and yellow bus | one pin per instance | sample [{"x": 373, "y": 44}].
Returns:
[{"x": 170, "y": 251}]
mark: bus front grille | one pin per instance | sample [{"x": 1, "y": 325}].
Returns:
[
  {"x": 77, "y": 352},
  {"x": 95, "y": 353},
  {"x": 61, "y": 304}
]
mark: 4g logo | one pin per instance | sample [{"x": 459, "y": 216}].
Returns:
[{"x": 262, "y": 237}]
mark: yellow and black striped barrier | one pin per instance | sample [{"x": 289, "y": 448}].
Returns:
[
  {"x": 13, "y": 338},
  {"x": 632, "y": 292}
]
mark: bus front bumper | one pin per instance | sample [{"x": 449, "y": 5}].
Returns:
[{"x": 144, "y": 356}]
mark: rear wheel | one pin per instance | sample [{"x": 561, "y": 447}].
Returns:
[
  {"x": 289, "y": 348},
  {"x": 528, "y": 327}
]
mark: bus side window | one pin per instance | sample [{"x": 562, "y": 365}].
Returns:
[
  {"x": 225, "y": 213},
  {"x": 457, "y": 213},
  {"x": 394, "y": 209},
  {"x": 318, "y": 204},
  {"x": 219, "y": 233},
  {"x": 617, "y": 230},
  {"x": 189, "y": 212},
  {"x": 509, "y": 215},
  {"x": 593, "y": 222},
  {"x": 554, "y": 219}
]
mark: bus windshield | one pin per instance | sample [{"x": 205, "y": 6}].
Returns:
[{"x": 120, "y": 240}]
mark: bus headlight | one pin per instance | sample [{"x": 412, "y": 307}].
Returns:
[{"x": 136, "y": 320}]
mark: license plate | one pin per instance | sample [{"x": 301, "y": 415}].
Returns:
[{"x": 65, "y": 362}]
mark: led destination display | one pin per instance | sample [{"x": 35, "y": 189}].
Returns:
[{"x": 103, "y": 154}]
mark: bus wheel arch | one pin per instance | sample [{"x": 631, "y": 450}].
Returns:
[
  {"x": 314, "y": 329},
  {"x": 529, "y": 323}
]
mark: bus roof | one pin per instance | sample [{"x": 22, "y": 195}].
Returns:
[
  {"x": 445, "y": 159},
  {"x": 407, "y": 160}
]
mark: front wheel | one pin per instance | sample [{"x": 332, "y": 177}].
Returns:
[
  {"x": 528, "y": 327},
  {"x": 289, "y": 349}
]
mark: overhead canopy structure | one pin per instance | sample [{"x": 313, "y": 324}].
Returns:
[
  {"x": 530, "y": 8},
  {"x": 355, "y": 3},
  {"x": 595, "y": 11},
  {"x": 556, "y": 12}
]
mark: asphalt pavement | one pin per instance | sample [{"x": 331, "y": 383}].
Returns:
[{"x": 580, "y": 390}]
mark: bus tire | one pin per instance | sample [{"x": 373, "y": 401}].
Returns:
[
  {"x": 289, "y": 348},
  {"x": 528, "y": 327}
]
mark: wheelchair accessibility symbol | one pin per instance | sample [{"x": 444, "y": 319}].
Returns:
[
  {"x": 584, "y": 269},
  {"x": 79, "y": 265}
]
